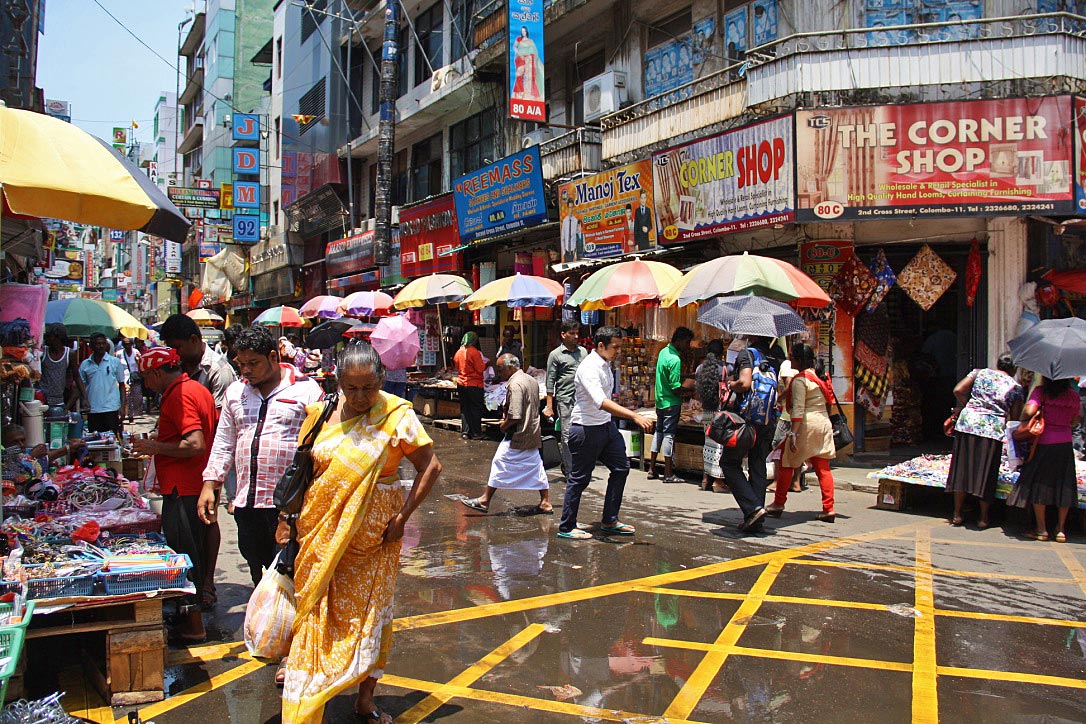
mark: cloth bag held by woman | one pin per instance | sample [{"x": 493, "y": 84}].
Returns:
[
  {"x": 269, "y": 617},
  {"x": 289, "y": 492}
]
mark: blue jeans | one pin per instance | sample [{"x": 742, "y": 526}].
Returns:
[
  {"x": 587, "y": 445},
  {"x": 667, "y": 422}
]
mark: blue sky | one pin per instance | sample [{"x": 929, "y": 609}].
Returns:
[{"x": 86, "y": 58}]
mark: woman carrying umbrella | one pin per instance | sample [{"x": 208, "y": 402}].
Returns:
[
  {"x": 987, "y": 398},
  {"x": 1048, "y": 477},
  {"x": 469, "y": 386}
]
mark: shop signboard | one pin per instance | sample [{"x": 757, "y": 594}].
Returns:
[
  {"x": 59, "y": 109},
  {"x": 502, "y": 197},
  {"x": 226, "y": 197},
  {"x": 607, "y": 214},
  {"x": 246, "y": 161},
  {"x": 830, "y": 333},
  {"x": 109, "y": 295},
  {"x": 268, "y": 256},
  {"x": 350, "y": 255},
  {"x": 526, "y": 86},
  {"x": 428, "y": 234},
  {"x": 246, "y": 195},
  {"x": 245, "y": 127},
  {"x": 246, "y": 228},
  {"x": 193, "y": 198},
  {"x": 172, "y": 257},
  {"x": 1080, "y": 155},
  {"x": 741, "y": 180},
  {"x": 209, "y": 249},
  {"x": 120, "y": 136},
  {"x": 1001, "y": 157}
]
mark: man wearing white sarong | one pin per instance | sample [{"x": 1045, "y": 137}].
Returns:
[{"x": 517, "y": 464}]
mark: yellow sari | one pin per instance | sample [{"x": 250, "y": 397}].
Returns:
[{"x": 344, "y": 574}]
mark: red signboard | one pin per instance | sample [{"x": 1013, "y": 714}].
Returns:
[
  {"x": 1080, "y": 153},
  {"x": 1000, "y": 157},
  {"x": 427, "y": 233},
  {"x": 350, "y": 255}
]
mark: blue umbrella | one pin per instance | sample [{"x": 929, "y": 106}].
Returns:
[{"x": 752, "y": 315}]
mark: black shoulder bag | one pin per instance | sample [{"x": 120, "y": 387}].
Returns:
[{"x": 290, "y": 491}]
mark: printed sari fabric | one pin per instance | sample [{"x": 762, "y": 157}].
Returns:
[
  {"x": 884, "y": 280},
  {"x": 345, "y": 574},
  {"x": 852, "y": 285},
  {"x": 926, "y": 278}
]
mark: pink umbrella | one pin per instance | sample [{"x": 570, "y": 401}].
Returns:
[
  {"x": 396, "y": 341},
  {"x": 323, "y": 306},
  {"x": 365, "y": 304}
]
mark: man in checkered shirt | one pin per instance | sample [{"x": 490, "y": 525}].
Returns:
[{"x": 257, "y": 437}]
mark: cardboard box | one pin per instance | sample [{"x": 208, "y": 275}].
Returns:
[{"x": 891, "y": 495}]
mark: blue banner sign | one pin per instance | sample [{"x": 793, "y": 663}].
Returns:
[
  {"x": 246, "y": 161},
  {"x": 502, "y": 197},
  {"x": 246, "y": 228},
  {"x": 246, "y": 195},
  {"x": 245, "y": 127}
]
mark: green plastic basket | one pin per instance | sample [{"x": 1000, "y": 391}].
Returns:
[{"x": 11, "y": 642}]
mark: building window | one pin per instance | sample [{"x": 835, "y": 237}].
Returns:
[
  {"x": 404, "y": 46},
  {"x": 398, "y": 192},
  {"x": 463, "y": 27},
  {"x": 312, "y": 18},
  {"x": 375, "y": 90},
  {"x": 428, "y": 26},
  {"x": 313, "y": 104},
  {"x": 275, "y": 213},
  {"x": 471, "y": 143},
  {"x": 426, "y": 168},
  {"x": 278, "y": 139},
  {"x": 278, "y": 57}
]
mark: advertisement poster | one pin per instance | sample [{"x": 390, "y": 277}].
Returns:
[
  {"x": 172, "y": 257},
  {"x": 193, "y": 198},
  {"x": 737, "y": 181},
  {"x": 1080, "y": 154},
  {"x": 735, "y": 34},
  {"x": 526, "y": 88},
  {"x": 672, "y": 64},
  {"x": 607, "y": 214},
  {"x": 504, "y": 196},
  {"x": 349, "y": 255},
  {"x": 427, "y": 237},
  {"x": 830, "y": 333},
  {"x": 974, "y": 158},
  {"x": 765, "y": 21}
]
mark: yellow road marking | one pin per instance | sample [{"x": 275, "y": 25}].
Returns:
[
  {"x": 1073, "y": 565},
  {"x": 769, "y": 598},
  {"x": 699, "y": 681},
  {"x": 936, "y": 571},
  {"x": 458, "y": 615},
  {"x": 793, "y": 656},
  {"x": 1012, "y": 676},
  {"x": 470, "y": 675},
  {"x": 925, "y": 678},
  {"x": 212, "y": 652},
  {"x": 981, "y": 616},
  {"x": 215, "y": 682},
  {"x": 522, "y": 702}
]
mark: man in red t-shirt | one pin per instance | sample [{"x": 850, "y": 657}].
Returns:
[{"x": 186, "y": 427}]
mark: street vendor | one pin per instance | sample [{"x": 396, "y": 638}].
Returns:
[{"x": 186, "y": 428}]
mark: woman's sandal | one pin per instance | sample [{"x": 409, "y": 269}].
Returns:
[
  {"x": 1034, "y": 535},
  {"x": 671, "y": 479},
  {"x": 1061, "y": 537},
  {"x": 957, "y": 521},
  {"x": 376, "y": 715},
  {"x": 281, "y": 673},
  {"x": 475, "y": 504}
]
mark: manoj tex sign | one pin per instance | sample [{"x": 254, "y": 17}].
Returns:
[{"x": 1000, "y": 157}]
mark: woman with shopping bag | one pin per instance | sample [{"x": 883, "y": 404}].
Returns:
[{"x": 349, "y": 532}]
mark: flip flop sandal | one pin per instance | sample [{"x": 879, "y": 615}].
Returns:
[
  {"x": 281, "y": 674},
  {"x": 618, "y": 528},
  {"x": 674, "y": 479},
  {"x": 575, "y": 534},
  {"x": 542, "y": 511},
  {"x": 474, "y": 504}
]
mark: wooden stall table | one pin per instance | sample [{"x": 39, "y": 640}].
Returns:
[{"x": 128, "y": 669}]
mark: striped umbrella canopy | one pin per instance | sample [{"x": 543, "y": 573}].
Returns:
[
  {"x": 521, "y": 290},
  {"x": 323, "y": 306},
  {"x": 84, "y": 317},
  {"x": 745, "y": 273},
  {"x": 624, "y": 283},
  {"x": 203, "y": 316},
  {"x": 282, "y": 316},
  {"x": 434, "y": 289},
  {"x": 49, "y": 168},
  {"x": 365, "y": 304}
]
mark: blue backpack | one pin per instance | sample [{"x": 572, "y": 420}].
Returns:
[{"x": 760, "y": 404}]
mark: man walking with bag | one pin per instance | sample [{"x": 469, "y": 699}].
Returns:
[{"x": 755, "y": 385}]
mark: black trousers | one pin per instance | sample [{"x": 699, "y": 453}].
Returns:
[
  {"x": 184, "y": 533},
  {"x": 471, "y": 409},
  {"x": 104, "y": 421},
  {"x": 749, "y": 490},
  {"x": 256, "y": 538}
]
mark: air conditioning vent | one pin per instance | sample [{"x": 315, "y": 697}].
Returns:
[{"x": 604, "y": 94}]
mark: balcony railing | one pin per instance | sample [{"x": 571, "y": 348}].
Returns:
[
  {"x": 571, "y": 153},
  {"x": 1039, "y": 53}
]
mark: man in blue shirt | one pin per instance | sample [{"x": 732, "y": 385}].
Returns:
[{"x": 103, "y": 379}]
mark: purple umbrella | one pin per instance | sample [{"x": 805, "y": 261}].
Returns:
[
  {"x": 323, "y": 306},
  {"x": 396, "y": 341}
]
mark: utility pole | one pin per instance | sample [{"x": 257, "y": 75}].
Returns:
[{"x": 386, "y": 139}]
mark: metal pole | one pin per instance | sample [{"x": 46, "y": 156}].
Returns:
[
  {"x": 386, "y": 140},
  {"x": 347, "y": 115}
]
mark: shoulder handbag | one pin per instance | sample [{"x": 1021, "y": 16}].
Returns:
[
  {"x": 842, "y": 435},
  {"x": 290, "y": 490},
  {"x": 1031, "y": 430}
]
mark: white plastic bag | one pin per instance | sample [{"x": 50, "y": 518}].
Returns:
[{"x": 269, "y": 616}]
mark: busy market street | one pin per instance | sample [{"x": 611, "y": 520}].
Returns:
[{"x": 907, "y": 613}]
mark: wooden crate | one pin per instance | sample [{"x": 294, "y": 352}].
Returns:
[
  {"x": 134, "y": 665},
  {"x": 424, "y": 405},
  {"x": 133, "y": 468},
  {"x": 688, "y": 457},
  {"x": 447, "y": 408},
  {"x": 892, "y": 494}
]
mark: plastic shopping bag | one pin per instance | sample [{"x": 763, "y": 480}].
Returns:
[{"x": 269, "y": 616}]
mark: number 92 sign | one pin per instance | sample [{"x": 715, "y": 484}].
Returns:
[{"x": 246, "y": 227}]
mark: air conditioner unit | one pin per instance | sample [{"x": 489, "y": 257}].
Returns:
[
  {"x": 394, "y": 216},
  {"x": 444, "y": 76},
  {"x": 370, "y": 224},
  {"x": 604, "y": 94},
  {"x": 536, "y": 137}
]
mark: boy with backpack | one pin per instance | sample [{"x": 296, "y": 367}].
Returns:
[{"x": 755, "y": 389}]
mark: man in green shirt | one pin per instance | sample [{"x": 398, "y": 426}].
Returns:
[{"x": 669, "y": 385}]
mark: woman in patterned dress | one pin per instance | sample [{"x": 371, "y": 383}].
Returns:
[
  {"x": 987, "y": 398},
  {"x": 349, "y": 532}
]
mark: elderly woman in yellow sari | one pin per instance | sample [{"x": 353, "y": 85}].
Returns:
[{"x": 349, "y": 532}]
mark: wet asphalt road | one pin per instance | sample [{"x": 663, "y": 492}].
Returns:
[{"x": 889, "y": 616}]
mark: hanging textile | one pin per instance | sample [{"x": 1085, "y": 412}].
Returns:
[
  {"x": 872, "y": 388},
  {"x": 852, "y": 285},
  {"x": 973, "y": 272},
  {"x": 926, "y": 278},
  {"x": 873, "y": 330},
  {"x": 884, "y": 280}
]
